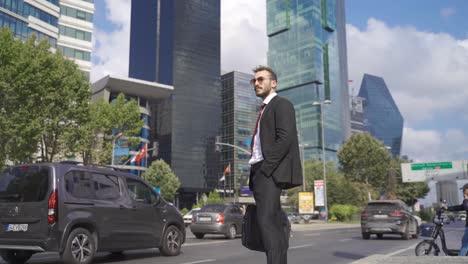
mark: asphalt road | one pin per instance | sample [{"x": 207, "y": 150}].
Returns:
[{"x": 317, "y": 246}]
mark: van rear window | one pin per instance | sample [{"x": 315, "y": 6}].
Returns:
[{"x": 24, "y": 184}]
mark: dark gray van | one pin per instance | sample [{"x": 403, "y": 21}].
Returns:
[{"x": 79, "y": 210}]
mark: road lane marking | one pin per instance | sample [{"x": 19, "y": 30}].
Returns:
[
  {"x": 200, "y": 261},
  {"x": 303, "y": 246},
  {"x": 206, "y": 243},
  {"x": 401, "y": 250},
  {"x": 346, "y": 239},
  {"x": 313, "y": 234}
]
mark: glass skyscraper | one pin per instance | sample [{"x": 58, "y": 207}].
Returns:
[
  {"x": 178, "y": 43},
  {"x": 384, "y": 120},
  {"x": 239, "y": 114},
  {"x": 307, "y": 49},
  {"x": 67, "y": 25}
]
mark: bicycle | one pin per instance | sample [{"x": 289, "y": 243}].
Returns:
[{"x": 429, "y": 247}]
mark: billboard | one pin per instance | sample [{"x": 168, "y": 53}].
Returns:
[
  {"x": 306, "y": 202},
  {"x": 319, "y": 193}
]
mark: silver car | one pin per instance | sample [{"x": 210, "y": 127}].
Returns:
[{"x": 225, "y": 219}]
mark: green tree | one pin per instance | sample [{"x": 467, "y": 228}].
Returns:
[
  {"x": 43, "y": 100},
  {"x": 365, "y": 159},
  {"x": 159, "y": 174},
  {"x": 339, "y": 189},
  {"x": 408, "y": 192},
  {"x": 109, "y": 122}
]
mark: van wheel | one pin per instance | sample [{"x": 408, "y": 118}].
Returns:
[
  {"x": 80, "y": 247},
  {"x": 172, "y": 241},
  {"x": 231, "y": 232},
  {"x": 16, "y": 256}
]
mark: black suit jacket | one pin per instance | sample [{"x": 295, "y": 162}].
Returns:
[{"x": 280, "y": 146}]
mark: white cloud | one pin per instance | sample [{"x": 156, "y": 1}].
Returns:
[
  {"x": 433, "y": 145},
  {"x": 112, "y": 48},
  {"x": 244, "y": 43},
  {"x": 447, "y": 11},
  {"x": 425, "y": 72}
]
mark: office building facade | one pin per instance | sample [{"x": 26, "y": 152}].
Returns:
[
  {"x": 66, "y": 24},
  {"x": 178, "y": 43},
  {"x": 145, "y": 94},
  {"x": 384, "y": 120},
  {"x": 307, "y": 49},
  {"x": 239, "y": 113}
]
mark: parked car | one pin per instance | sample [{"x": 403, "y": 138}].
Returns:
[
  {"x": 223, "y": 219},
  {"x": 68, "y": 208},
  {"x": 388, "y": 217},
  {"x": 294, "y": 218},
  {"x": 188, "y": 216}
]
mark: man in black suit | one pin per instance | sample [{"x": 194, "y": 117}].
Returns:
[{"x": 275, "y": 162}]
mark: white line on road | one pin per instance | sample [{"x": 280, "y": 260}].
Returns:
[
  {"x": 313, "y": 234},
  {"x": 206, "y": 243},
  {"x": 303, "y": 246},
  {"x": 401, "y": 250},
  {"x": 346, "y": 239},
  {"x": 200, "y": 261}
]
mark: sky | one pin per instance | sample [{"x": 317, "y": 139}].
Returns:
[{"x": 419, "y": 47}]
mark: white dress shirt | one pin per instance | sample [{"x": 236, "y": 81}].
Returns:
[{"x": 257, "y": 155}]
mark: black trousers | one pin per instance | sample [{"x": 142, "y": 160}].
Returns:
[{"x": 270, "y": 216}]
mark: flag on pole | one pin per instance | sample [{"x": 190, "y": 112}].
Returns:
[
  {"x": 141, "y": 154},
  {"x": 222, "y": 179},
  {"x": 227, "y": 170}
]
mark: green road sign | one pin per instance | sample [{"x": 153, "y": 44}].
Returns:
[{"x": 431, "y": 166}]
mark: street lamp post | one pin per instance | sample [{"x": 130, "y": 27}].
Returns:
[{"x": 322, "y": 125}]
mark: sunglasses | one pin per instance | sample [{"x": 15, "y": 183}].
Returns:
[{"x": 259, "y": 80}]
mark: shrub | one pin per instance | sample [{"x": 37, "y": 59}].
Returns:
[
  {"x": 343, "y": 212},
  {"x": 426, "y": 215}
]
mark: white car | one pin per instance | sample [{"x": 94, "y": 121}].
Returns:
[{"x": 188, "y": 216}]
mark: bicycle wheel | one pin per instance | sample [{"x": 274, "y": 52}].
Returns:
[{"x": 427, "y": 248}]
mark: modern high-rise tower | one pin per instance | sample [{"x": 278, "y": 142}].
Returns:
[
  {"x": 307, "y": 49},
  {"x": 66, "y": 24},
  {"x": 384, "y": 120},
  {"x": 240, "y": 108},
  {"x": 178, "y": 43}
]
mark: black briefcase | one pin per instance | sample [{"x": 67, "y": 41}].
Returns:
[{"x": 251, "y": 238}]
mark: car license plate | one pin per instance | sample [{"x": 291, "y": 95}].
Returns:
[
  {"x": 17, "y": 227},
  {"x": 204, "y": 219},
  {"x": 380, "y": 216}
]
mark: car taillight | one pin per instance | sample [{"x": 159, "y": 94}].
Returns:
[
  {"x": 396, "y": 213},
  {"x": 220, "y": 219},
  {"x": 52, "y": 206},
  {"x": 364, "y": 214}
]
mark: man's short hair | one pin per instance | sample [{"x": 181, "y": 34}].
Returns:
[
  {"x": 266, "y": 68},
  {"x": 464, "y": 187}
]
